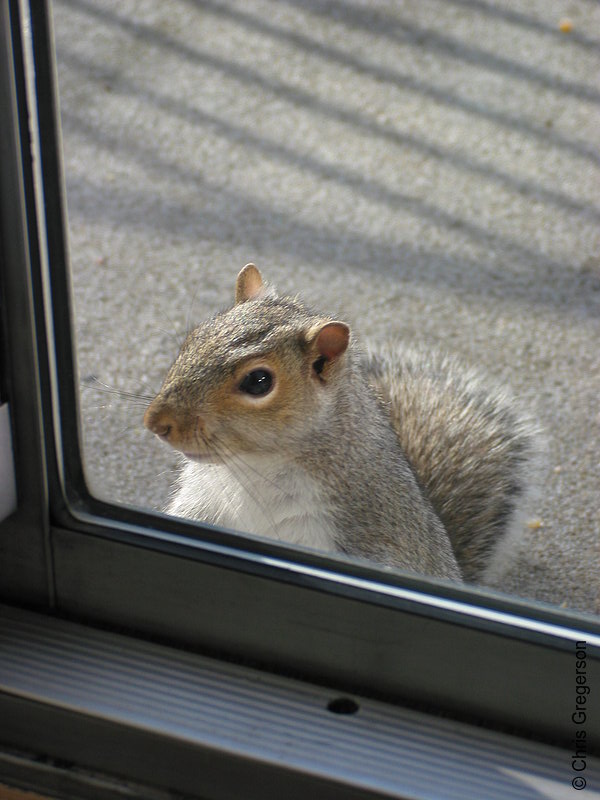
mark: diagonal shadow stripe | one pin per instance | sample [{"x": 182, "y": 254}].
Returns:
[
  {"x": 346, "y": 177},
  {"x": 397, "y": 28},
  {"x": 249, "y": 77},
  {"x": 525, "y": 21},
  {"x": 259, "y": 226}
]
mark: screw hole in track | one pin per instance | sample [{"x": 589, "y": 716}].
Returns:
[{"x": 343, "y": 705}]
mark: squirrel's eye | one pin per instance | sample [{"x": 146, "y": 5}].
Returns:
[{"x": 257, "y": 382}]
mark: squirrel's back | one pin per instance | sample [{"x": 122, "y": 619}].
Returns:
[{"x": 470, "y": 445}]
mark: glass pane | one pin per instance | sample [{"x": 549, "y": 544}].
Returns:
[{"x": 426, "y": 172}]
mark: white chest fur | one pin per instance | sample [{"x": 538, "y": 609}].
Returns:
[{"x": 260, "y": 495}]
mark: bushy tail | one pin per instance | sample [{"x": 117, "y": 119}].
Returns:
[{"x": 472, "y": 450}]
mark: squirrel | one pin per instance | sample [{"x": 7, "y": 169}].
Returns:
[{"x": 290, "y": 430}]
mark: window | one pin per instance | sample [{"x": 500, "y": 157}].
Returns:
[
  {"x": 73, "y": 552},
  {"x": 209, "y": 154}
]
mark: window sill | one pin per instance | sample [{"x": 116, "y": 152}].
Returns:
[{"x": 177, "y": 720}]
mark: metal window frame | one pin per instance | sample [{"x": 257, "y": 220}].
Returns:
[{"x": 467, "y": 653}]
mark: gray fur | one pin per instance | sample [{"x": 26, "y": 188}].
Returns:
[{"x": 472, "y": 448}]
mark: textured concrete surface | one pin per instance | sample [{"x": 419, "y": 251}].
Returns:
[{"x": 427, "y": 169}]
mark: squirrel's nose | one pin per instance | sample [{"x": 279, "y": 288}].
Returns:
[
  {"x": 173, "y": 425},
  {"x": 160, "y": 421}
]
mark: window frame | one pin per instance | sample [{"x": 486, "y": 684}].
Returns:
[{"x": 404, "y": 639}]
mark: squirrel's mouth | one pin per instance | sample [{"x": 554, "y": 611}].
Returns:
[{"x": 203, "y": 458}]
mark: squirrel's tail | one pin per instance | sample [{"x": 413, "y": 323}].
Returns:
[{"x": 472, "y": 450}]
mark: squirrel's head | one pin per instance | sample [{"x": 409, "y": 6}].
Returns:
[{"x": 252, "y": 379}]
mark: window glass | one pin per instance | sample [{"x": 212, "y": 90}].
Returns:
[{"x": 426, "y": 172}]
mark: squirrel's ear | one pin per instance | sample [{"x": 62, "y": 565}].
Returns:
[
  {"x": 332, "y": 340},
  {"x": 249, "y": 284},
  {"x": 329, "y": 341}
]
